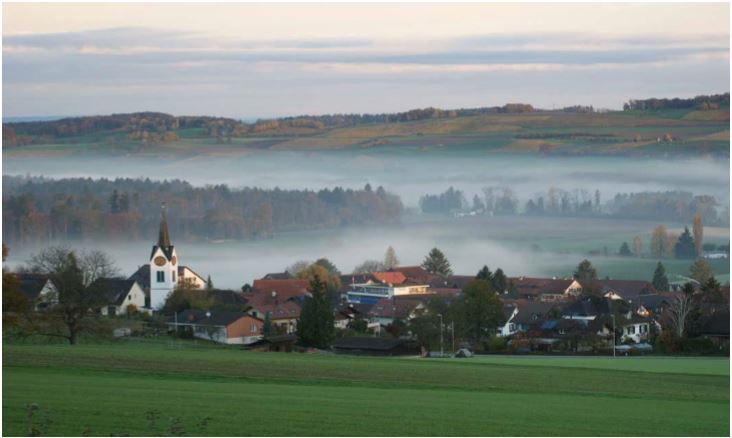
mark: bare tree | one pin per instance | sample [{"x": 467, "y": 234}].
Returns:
[
  {"x": 680, "y": 308},
  {"x": 76, "y": 296}
]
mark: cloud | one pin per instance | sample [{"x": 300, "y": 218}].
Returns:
[{"x": 52, "y": 72}]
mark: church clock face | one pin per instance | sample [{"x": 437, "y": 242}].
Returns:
[
  {"x": 174, "y": 260},
  {"x": 160, "y": 260}
]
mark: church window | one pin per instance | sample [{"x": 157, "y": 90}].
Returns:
[
  {"x": 161, "y": 276},
  {"x": 173, "y": 274}
]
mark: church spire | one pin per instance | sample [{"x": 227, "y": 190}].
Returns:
[{"x": 163, "y": 236}]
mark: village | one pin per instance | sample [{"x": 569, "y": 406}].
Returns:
[{"x": 410, "y": 310}]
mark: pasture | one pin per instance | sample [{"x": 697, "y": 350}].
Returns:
[{"x": 178, "y": 388}]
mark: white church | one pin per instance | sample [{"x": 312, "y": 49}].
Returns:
[{"x": 163, "y": 273}]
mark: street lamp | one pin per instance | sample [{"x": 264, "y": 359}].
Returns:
[{"x": 442, "y": 352}]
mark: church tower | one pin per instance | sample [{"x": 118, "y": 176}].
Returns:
[{"x": 163, "y": 265}]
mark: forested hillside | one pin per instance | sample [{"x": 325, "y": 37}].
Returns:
[{"x": 38, "y": 209}]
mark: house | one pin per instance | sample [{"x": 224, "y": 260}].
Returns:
[
  {"x": 278, "y": 276},
  {"x": 636, "y": 329},
  {"x": 532, "y": 314},
  {"x": 586, "y": 307},
  {"x": 546, "y": 289},
  {"x": 350, "y": 312},
  {"x": 415, "y": 274},
  {"x": 628, "y": 290},
  {"x": 120, "y": 296},
  {"x": 384, "y": 285},
  {"x": 283, "y": 288},
  {"x": 38, "y": 289},
  {"x": 386, "y": 310},
  {"x": 374, "y": 346},
  {"x": 283, "y": 312},
  {"x": 222, "y": 327}
]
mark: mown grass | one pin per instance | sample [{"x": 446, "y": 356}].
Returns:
[{"x": 107, "y": 389}]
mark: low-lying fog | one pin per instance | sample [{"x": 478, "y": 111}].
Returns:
[
  {"x": 411, "y": 173},
  {"x": 469, "y": 243},
  {"x": 408, "y": 172}
]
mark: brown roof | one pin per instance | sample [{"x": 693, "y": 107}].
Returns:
[
  {"x": 628, "y": 289},
  {"x": 538, "y": 286},
  {"x": 284, "y": 288},
  {"x": 394, "y": 277},
  {"x": 414, "y": 273},
  {"x": 395, "y": 307}
]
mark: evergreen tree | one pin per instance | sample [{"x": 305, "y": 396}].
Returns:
[
  {"x": 585, "y": 271},
  {"x": 484, "y": 274},
  {"x": 437, "y": 263},
  {"x": 499, "y": 281},
  {"x": 481, "y": 310},
  {"x": 625, "y": 250},
  {"x": 315, "y": 326},
  {"x": 684, "y": 248},
  {"x": 390, "y": 259},
  {"x": 267, "y": 326},
  {"x": 209, "y": 283},
  {"x": 114, "y": 202},
  {"x": 660, "y": 280}
]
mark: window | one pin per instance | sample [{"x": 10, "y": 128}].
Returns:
[
  {"x": 173, "y": 274},
  {"x": 161, "y": 276},
  {"x": 254, "y": 328}
]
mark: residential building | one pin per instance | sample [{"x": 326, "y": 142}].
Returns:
[
  {"x": 120, "y": 296},
  {"x": 222, "y": 327}
]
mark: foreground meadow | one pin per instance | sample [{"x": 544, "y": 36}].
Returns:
[{"x": 172, "y": 388}]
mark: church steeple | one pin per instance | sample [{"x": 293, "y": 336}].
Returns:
[{"x": 163, "y": 236}]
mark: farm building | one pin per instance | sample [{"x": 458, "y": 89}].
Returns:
[{"x": 218, "y": 326}]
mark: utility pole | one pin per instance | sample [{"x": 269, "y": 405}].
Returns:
[
  {"x": 452, "y": 331},
  {"x": 442, "y": 350}
]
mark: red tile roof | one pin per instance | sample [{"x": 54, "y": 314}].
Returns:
[
  {"x": 394, "y": 307},
  {"x": 414, "y": 273},
  {"x": 284, "y": 288},
  {"x": 395, "y": 277}
]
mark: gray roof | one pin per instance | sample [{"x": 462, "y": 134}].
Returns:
[
  {"x": 114, "y": 290},
  {"x": 31, "y": 285},
  {"x": 208, "y": 317}
]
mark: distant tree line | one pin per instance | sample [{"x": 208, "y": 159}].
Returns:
[
  {"x": 39, "y": 209},
  {"x": 678, "y": 206},
  {"x": 715, "y": 101}
]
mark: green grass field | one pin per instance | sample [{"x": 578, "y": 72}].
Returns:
[{"x": 110, "y": 389}]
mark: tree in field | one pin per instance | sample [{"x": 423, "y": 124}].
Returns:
[
  {"x": 637, "y": 246},
  {"x": 437, "y": 263},
  {"x": 481, "y": 308},
  {"x": 585, "y": 271},
  {"x": 209, "y": 283},
  {"x": 390, "y": 259},
  {"x": 684, "y": 248},
  {"x": 77, "y": 292},
  {"x": 698, "y": 230},
  {"x": 658, "y": 242},
  {"x": 315, "y": 326},
  {"x": 624, "y": 250},
  {"x": 484, "y": 274},
  {"x": 499, "y": 281},
  {"x": 701, "y": 271},
  {"x": 660, "y": 280},
  {"x": 681, "y": 306}
]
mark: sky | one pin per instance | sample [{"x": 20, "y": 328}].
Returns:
[{"x": 267, "y": 60}]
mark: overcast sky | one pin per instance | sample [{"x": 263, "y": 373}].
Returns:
[{"x": 248, "y": 60}]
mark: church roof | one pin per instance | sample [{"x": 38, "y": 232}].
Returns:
[{"x": 163, "y": 236}]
